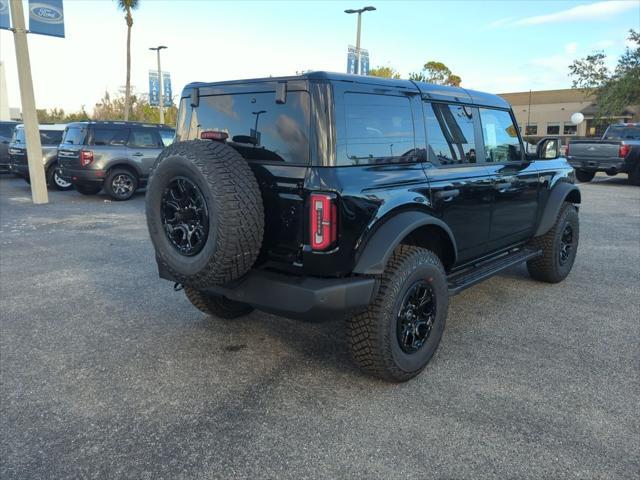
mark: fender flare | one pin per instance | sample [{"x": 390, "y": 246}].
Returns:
[
  {"x": 388, "y": 236},
  {"x": 127, "y": 164},
  {"x": 557, "y": 197}
]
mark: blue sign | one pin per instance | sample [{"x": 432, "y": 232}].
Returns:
[
  {"x": 352, "y": 68},
  {"x": 166, "y": 89},
  {"x": 364, "y": 62},
  {"x": 46, "y": 17},
  {"x": 5, "y": 17},
  {"x": 154, "y": 88}
]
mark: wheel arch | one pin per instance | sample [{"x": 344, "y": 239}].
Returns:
[
  {"x": 561, "y": 193},
  {"x": 125, "y": 166},
  {"x": 411, "y": 228}
]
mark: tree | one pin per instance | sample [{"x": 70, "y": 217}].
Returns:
[
  {"x": 615, "y": 90},
  {"x": 127, "y": 6},
  {"x": 436, "y": 72},
  {"x": 384, "y": 72}
]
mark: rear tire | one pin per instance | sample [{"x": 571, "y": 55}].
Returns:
[
  {"x": 88, "y": 189},
  {"x": 55, "y": 180},
  {"x": 121, "y": 184},
  {"x": 401, "y": 330},
  {"x": 559, "y": 248},
  {"x": 219, "y": 306},
  {"x": 204, "y": 213},
  {"x": 584, "y": 176}
]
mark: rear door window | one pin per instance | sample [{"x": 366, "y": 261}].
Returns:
[
  {"x": 450, "y": 134},
  {"x": 144, "y": 138},
  {"x": 260, "y": 128},
  {"x": 109, "y": 136},
  {"x": 378, "y": 129}
]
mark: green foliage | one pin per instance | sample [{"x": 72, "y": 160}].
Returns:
[
  {"x": 384, "y": 72},
  {"x": 612, "y": 91},
  {"x": 436, "y": 72}
]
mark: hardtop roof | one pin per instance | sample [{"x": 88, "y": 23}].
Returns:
[
  {"x": 428, "y": 90},
  {"x": 119, "y": 123}
]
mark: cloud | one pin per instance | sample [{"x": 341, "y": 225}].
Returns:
[
  {"x": 571, "y": 48},
  {"x": 593, "y": 11}
]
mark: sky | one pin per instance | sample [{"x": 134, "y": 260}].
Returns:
[{"x": 495, "y": 46}]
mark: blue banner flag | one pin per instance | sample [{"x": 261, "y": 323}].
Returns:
[
  {"x": 364, "y": 62},
  {"x": 351, "y": 60},
  {"x": 154, "y": 88},
  {"x": 46, "y": 17},
  {"x": 5, "y": 17},
  {"x": 166, "y": 89}
]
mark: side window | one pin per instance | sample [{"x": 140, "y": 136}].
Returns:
[
  {"x": 109, "y": 136},
  {"x": 144, "y": 138},
  {"x": 450, "y": 134},
  {"x": 378, "y": 129},
  {"x": 501, "y": 142},
  {"x": 167, "y": 137}
]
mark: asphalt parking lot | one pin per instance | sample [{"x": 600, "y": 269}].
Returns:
[{"x": 108, "y": 373}]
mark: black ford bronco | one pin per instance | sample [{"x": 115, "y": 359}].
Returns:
[{"x": 327, "y": 195}]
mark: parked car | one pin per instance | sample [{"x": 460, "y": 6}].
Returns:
[
  {"x": 6, "y": 132},
  {"x": 328, "y": 195},
  {"x": 617, "y": 152},
  {"x": 116, "y": 156},
  {"x": 50, "y": 137}
]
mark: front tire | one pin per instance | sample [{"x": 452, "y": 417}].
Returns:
[
  {"x": 219, "y": 306},
  {"x": 56, "y": 180},
  {"x": 401, "y": 330},
  {"x": 559, "y": 248},
  {"x": 121, "y": 184},
  {"x": 584, "y": 176}
]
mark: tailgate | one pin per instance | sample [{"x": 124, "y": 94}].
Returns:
[{"x": 593, "y": 149}]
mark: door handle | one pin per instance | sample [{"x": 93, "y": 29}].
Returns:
[
  {"x": 137, "y": 154},
  {"x": 447, "y": 195}
]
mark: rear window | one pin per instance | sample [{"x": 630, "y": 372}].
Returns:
[
  {"x": 73, "y": 136},
  {"x": 261, "y": 128},
  {"x": 622, "y": 132},
  {"x": 108, "y": 136},
  {"x": 378, "y": 129},
  {"x": 47, "y": 137}
]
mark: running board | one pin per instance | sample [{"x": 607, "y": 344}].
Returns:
[{"x": 468, "y": 277}]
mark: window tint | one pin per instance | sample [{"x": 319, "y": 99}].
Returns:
[
  {"x": 50, "y": 137},
  {"x": 73, "y": 136},
  {"x": 501, "y": 143},
  {"x": 109, "y": 136},
  {"x": 260, "y": 128},
  {"x": 378, "y": 129},
  {"x": 144, "y": 138},
  {"x": 167, "y": 137},
  {"x": 622, "y": 132},
  {"x": 450, "y": 134}
]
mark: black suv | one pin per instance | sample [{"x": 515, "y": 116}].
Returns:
[
  {"x": 116, "y": 156},
  {"x": 6, "y": 132},
  {"x": 328, "y": 195}
]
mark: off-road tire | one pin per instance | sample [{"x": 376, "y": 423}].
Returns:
[
  {"x": 634, "y": 175},
  {"x": 547, "y": 267},
  {"x": 52, "y": 172},
  {"x": 121, "y": 174},
  {"x": 219, "y": 306},
  {"x": 235, "y": 212},
  {"x": 584, "y": 176},
  {"x": 372, "y": 335},
  {"x": 88, "y": 189}
]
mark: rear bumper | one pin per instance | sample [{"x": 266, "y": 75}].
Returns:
[
  {"x": 84, "y": 176},
  {"x": 613, "y": 165},
  {"x": 301, "y": 298}
]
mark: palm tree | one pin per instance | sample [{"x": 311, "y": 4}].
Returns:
[{"x": 127, "y": 6}]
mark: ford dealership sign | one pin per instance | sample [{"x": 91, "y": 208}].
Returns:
[{"x": 46, "y": 17}]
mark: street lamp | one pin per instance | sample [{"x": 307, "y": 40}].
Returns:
[
  {"x": 359, "y": 12},
  {"x": 157, "y": 49}
]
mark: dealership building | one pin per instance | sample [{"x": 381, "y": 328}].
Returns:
[{"x": 548, "y": 112}]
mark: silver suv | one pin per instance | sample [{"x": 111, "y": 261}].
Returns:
[{"x": 116, "y": 156}]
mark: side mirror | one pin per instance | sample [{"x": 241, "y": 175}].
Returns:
[{"x": 548, "y": 149}]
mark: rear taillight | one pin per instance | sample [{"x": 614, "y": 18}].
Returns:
[
  {"x": 86, "y": 157},
  {"x": 624, "y": 151},
  {"x": 566, "y": 151},
  {"x": 324, "y": 221}
]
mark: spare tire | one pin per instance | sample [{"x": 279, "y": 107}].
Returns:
[{"x": 204, "y": 213}]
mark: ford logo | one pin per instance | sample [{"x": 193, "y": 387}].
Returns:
[{"x": 44, "y": 13}]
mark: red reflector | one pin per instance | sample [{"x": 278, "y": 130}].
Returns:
[
  {"x": 214, "y": 135},
  {"x": 324, "y": 221},
  {"x": 86, "y": 157},
  {"x": 624, "y": 151}
]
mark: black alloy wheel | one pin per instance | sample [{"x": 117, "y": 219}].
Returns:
[{"x": 416, "y": 316}]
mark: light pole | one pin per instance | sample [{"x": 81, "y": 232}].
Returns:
[
  {"x": 157, "y": 49},
  {"x": 359, "y": 12}
]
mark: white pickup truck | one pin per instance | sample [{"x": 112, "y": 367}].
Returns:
[{"x": 617, "y": 152}]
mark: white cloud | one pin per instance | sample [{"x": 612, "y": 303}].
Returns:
[
  {"x": 571, "y": 48},
  {"x": 593, "y": 11}
]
